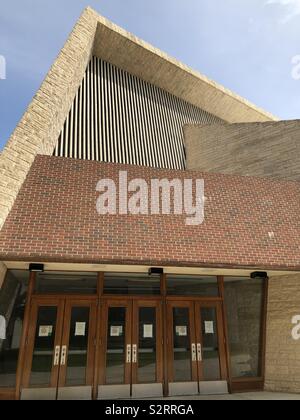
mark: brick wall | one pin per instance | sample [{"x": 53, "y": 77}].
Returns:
[
  {"x": 253, "y": 149},
  {"x": 283, "y": 352},
  {"x": 55, "y": 219}
]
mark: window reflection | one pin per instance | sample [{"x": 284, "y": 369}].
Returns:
[{"x": 12, "y": 306}]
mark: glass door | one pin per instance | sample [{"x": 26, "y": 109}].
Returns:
[
  {"x": 115, "y": 365},
  {"x": 77, "y": 351},
  {"x": 131, "y": 356},
  {"x": 196, "y": 345},
  {"x": 147, "y": 350},
  {"x": 59, "y": 353},
  {"x": 182, "y": 357},
  {"x": 211, "y": 352}
]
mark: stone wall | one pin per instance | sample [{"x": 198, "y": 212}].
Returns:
[
  {"x": 38, "y": 130},
  {"x": 268, "y": 149},
  {"x": 283, "y": 352}
]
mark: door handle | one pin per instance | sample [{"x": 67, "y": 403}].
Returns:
[
  {"x": 56, "y": 356},
  {"x": 194, "y": 353},
  {"x": 199, "y": 352},
  {"x": 134, "y": 353},
  {"x": 63, "y": 355},
  {"x": 128, "y": 354}
]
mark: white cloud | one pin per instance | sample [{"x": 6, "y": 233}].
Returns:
[{"x": 291, "y": 8}]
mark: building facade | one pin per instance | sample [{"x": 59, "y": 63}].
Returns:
[{"x": 116, "y": 304}]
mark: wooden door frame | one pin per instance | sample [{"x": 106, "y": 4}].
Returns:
[
  {"x": 37, "y": 303},
  {"x": 221, "y": 336},
  {"x": 64, "y": 303},
  {"x": 69, "y": 304},
  {"x": 107, "y": 303}
]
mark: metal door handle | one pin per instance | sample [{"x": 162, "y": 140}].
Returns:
[
  {"x": 199, "y": 352},
  {"x": 63, "y": 355},
  {"x": 134, "y": 353},
  {"x": 194, "y": 353},
  {"x": 128, "y": 354},
  {"x": 56, "y": 356}
]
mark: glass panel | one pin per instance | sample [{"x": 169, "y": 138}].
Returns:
[
  {"x": 115, "y": 355},
  {"x": 43, "y": 351},
  {"x": 244, "y": 305},
  {"x": 12, "y": 305},
  {"x": 182, "y": 345},
  {"x": 192, "y": 286},
  {"x": 147, "y": 345},
  {"x": 210, "y": 345},
  {"x": 68, "y": 283},
  {"x": 131, "y": 284},
  {"x": 78, "y": 346}
]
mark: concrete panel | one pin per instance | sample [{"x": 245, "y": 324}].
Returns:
[
  {"x": 183, "y": 388},
  {"x": 39, "y": 394},
  {"x": 270, "y": 149},
  {"x": 81, "y": 393},
  {"x": 213, "y": 388},
  {"x": 113, "y": 392},
  {"x": 283, "y": 349},
  {"x": 147, "y": 391}
]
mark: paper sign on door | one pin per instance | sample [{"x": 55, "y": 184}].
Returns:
[
  {"x": 181, "y": 331},
  {"x": 80, "y": 329},
  {"x": 45, "y": 331},
  {"x": 116, "y": 331},
  {"x": 148, "y": 331},
  {"x": 209, "y": 327}
]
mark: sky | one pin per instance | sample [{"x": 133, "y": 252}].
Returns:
[{"x": 251, "y": 46}]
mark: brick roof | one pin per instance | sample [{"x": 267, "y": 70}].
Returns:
[{"x": 54, "y": 219}]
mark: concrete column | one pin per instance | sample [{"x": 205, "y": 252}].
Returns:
[
  {"x": 283, "y": 339},
  {"x": 2, "y": 273}
]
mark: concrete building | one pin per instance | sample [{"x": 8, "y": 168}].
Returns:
[{"x": 144, "y": 303}]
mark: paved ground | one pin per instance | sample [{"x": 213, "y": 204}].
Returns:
[{"x": 251, "y": 396}]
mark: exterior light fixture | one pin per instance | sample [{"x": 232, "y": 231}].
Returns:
[
  {"x": 154, "y": 271},
  {"x": 36, "y": 268},
  {"x": 259, "y": 275}
]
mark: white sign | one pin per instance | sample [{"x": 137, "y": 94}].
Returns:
[
  {"x": 148, "y": 331},
  {"x": 45, "y": 331},
  {"x": 80, "y": 329},
  {"x": 116, "y": 331},
  {"x": 181, "y": 331},
  {"x": 209, "y": 327}
]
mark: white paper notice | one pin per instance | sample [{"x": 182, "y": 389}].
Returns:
[
  {"x": 148, "y": 331},
  {"x": 80, "y": 329},
  {"x": 209, "y": 327},
  {"x": 116, "y": 331},
  {"x": 181, "y": 331},
  {"x": 2, "y": 328},
  {"x": 45, "y": 331}
]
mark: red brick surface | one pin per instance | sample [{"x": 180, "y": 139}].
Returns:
[{"x": 54, "y": 219}]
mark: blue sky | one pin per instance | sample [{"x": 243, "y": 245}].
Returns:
[{"x": 245, "y": 45}]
